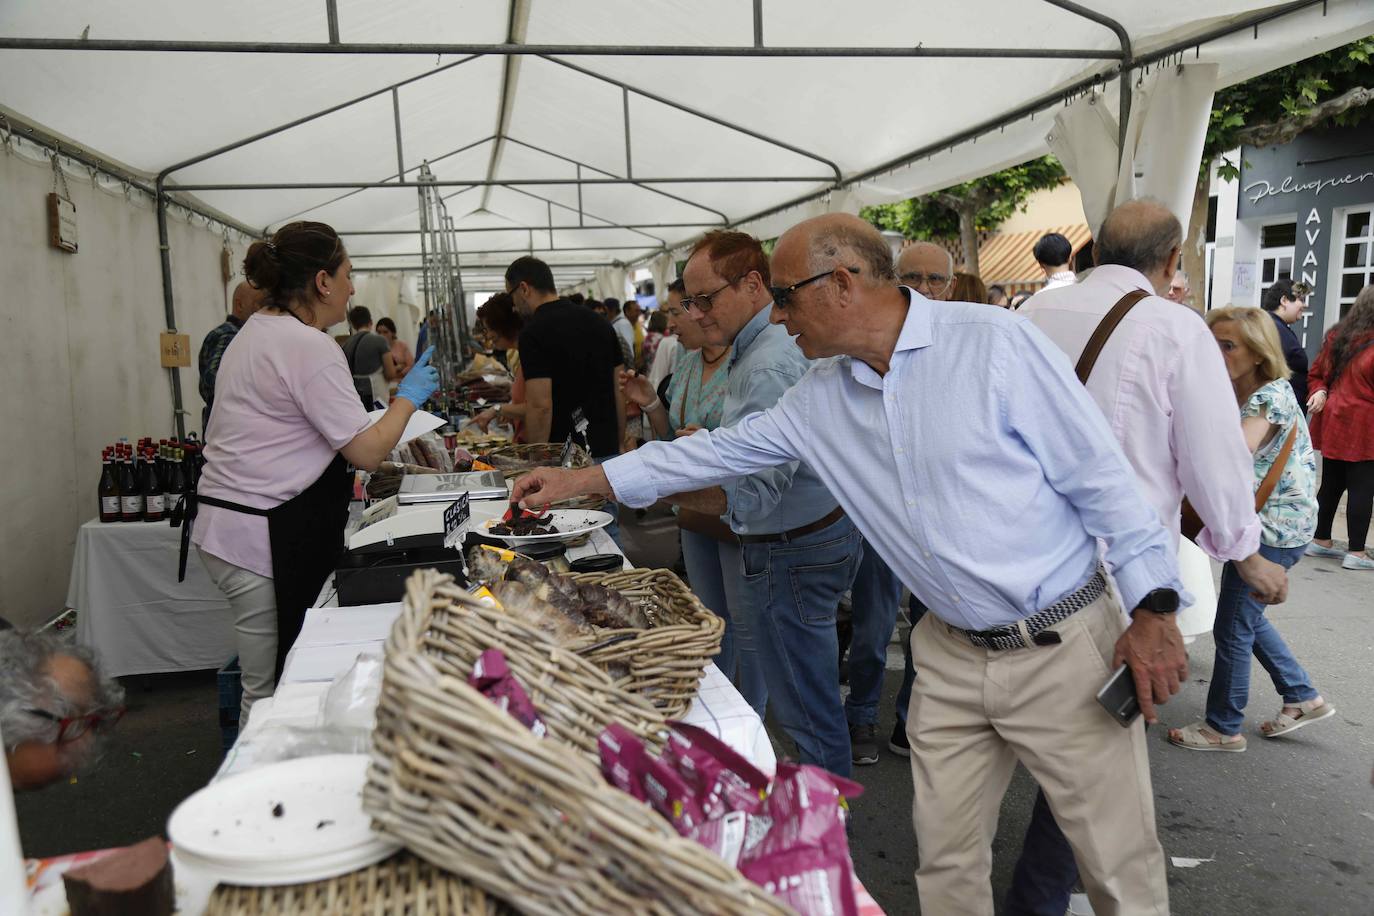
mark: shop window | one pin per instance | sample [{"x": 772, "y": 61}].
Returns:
[
  {"x": 1357, "y": 256},
  {"x": 1276, "y": 253},
  {"x": 1279, "y": 235}
]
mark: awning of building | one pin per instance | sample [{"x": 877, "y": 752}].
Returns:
[{"x": 1007, "y": 258}]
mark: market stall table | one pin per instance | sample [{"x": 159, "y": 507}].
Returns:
[{"x": 133, "y": 611}]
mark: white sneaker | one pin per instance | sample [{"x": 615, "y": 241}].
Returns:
[
  {"x": 1357, "y": 561},
  {"x": 1316, "y": 550}
]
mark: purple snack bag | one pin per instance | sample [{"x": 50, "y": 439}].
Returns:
[
  {"x": 808, "y": 811},
  {"x": 624, "y": 761},
  {"x": 723, "y": 778},
  {"x": 814, "y": 882},
  {"x": 493, "y": 679},
  {"x": 670, "y": 794}
]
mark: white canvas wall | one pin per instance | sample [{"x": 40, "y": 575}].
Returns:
[{"x": 81, "y": 331}]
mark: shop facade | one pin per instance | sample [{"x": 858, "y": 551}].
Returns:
[{"x": 1303, "y": 211}]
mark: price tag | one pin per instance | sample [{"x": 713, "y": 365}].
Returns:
[
  {"x": 565, "y": 459},
  {"x": 579, "y": 421},
  {"x": 456, "y": 521}
]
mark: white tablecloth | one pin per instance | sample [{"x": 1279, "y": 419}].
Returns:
[{"x": 131, "y": 609}]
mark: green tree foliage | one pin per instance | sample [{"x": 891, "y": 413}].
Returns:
[
  {"x": 992, "y": 199},
  {"x": 1274, "y": 107}
]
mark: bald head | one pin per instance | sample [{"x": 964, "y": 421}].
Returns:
[
  {"x": 927, "y": 268},
  {"x": 839, "y": 240},
  {"x": 247, "y": 300},
  {"x": 1142, "y": 235}
]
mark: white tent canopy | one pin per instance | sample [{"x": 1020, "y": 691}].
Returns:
[{"x": 594, "y": 132}]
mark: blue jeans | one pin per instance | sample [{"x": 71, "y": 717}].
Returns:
[
  {"x": 1046, "y": 872},
  {"x": 874, "y": 597},
  {"x": 915, "y": 610},
  {"x": 713, "y": 567},
  {"x": 790, "y": 591},
  {"x": 1240, "y": 629}
]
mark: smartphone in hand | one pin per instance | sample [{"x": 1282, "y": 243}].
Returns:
[{"x": 1118, "y": 697}]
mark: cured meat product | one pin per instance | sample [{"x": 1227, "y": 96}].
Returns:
[
  {"x": 520, "y": 602},
  {"x": 134, "y": 881}
]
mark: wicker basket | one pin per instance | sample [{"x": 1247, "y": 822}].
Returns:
[
  {"x": 666, "y": 661},
  {"x": 530, "y": 455},
  {"x": 401, "y": 886},
  {"x": 468, "y": 788}
]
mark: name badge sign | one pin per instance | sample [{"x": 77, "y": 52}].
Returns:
[
  {"x": 456, "y": 521},
  {"x": 579, "y": 421}
]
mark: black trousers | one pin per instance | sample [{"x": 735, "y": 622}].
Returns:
[{"x": 1338, "y": 478}]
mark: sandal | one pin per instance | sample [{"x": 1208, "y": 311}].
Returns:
[
  {"x": 1199, "y": 736},
  {"x": 1308, "y": 712}
]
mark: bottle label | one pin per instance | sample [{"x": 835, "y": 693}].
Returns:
[
  {"x": 155, "y": 504},
  {"x": 109, "y": 505},
  {"x": 133, "y": 505}
]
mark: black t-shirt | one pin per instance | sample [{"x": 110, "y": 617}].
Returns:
[{"x": 578, "y": 352}]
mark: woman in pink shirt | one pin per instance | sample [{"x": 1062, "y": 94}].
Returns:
[{"x": 273, "y": 498}]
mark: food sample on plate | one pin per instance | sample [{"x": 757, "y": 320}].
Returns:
[
  {"x": 525, "y": 526},
  {"x": 133, "y": 881}
]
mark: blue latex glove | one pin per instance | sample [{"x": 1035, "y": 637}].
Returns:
[{"x": 420, "y": 382}]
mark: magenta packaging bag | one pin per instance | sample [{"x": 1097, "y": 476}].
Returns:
[
  {"x": 724, "y": 780},
  {"x": 624, "y": 760},
  {"x": 492, "y": 677},
  {"x": 814, "y": 882},
  {"x": 671, "y": 795}
]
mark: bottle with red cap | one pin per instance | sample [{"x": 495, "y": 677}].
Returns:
[{"x": 108, "y": 488}]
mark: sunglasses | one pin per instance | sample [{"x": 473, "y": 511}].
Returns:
[
  {"x": 782, "y": 295},
  {"x": 70, "y": 728},
  {"x": 703, "y": 302}
]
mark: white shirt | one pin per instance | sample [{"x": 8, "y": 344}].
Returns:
[
  {"x": 663, "y": 359},
  {"x": 978, "y": 467},
  {"x": 1162, "y": 384},
  {"x": 1063, "y": 278}
]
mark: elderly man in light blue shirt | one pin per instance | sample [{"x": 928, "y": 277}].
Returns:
[
  {"x": 798, "y": 550},
  {"x": 971, "y": 458}
]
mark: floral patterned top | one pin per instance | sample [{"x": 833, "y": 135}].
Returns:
[
  {"x": 1290, "y": 516},
  {"x": 690, "y": 402}
]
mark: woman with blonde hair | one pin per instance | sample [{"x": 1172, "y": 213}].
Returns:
[{"x": 1277, "y": 435}]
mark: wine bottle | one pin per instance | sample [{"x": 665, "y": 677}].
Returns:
[
  {"x": 175, "y": 476},
  {"x": 154, "y": 503},
  {"x": 108, "y": 488},
  {"x": 130, "y": 494}
]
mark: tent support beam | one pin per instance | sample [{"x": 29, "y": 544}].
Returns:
[
  {"x": 758, "y": 23},
  {"x": 1037, "y": 105},
  {"x": 515, "y": 50},
  {"x": 331, "y": 12},
  {"x": 582, "y": 165},
  {"x": 551, "y": 247},
  {"x": 613, "y": 224},
  {"x": 653, "y": 97},
  {"x": 526, "y": 228},
  {"x": 504, "y": 182},
  {"x": 389, "y": 178},
  {"x": 396, "y": 113},
  {"x": 1127, "y": 63},
  {"x": 517, "y": 17}
]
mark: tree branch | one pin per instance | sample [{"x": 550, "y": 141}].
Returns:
[{"x": 1284, "y": 130}]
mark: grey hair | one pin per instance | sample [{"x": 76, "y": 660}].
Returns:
[
  {"x": 1138, "y": 234},
  {"x": 832, "y": 246},
  {"x": 26, "y": 682}
]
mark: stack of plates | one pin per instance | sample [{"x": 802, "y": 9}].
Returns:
[{"x": 284, "y": 823}]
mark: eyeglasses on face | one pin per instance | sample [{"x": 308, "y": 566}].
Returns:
[
  {"x": 70, "y": 728},
  {"x": 703, "y": 303},
  {"x": 932, "y": 282},
  {"x": 782, "y": 295}
]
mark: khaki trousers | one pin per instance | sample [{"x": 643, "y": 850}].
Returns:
[{"x": 975, "y": 712}]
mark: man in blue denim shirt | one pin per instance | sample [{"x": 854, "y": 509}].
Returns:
[{"x": 799, "y": 552}]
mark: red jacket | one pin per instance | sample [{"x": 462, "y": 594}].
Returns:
[{"x": 1344, "y": 429}]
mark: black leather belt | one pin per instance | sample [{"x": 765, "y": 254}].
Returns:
[
  {"x": 831, "y": 518},
  {"x": 1009, "y": 637}
]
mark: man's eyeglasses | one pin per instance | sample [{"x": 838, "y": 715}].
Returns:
[
  {"x": 70, "y": 728},
  {"x": 703, "y": 302},
  {"x": 932, "y": 282},
  {"x": 783, "y": 294}
]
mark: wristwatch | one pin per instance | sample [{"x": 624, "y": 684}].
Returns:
[{"x": 1160, "y": 601}]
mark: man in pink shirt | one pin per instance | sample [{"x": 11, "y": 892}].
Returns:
[{"x": 1163, "y": 386}]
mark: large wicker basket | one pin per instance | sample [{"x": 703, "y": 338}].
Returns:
[
  {"x": 515, "y": 459},
  {"x": 531, "y": 820},
  {"x": 665, "y": 661},
  {"x": 403, "y": 885}
]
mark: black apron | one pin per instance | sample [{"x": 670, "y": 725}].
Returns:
[{"x": 306, "y": 534}]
